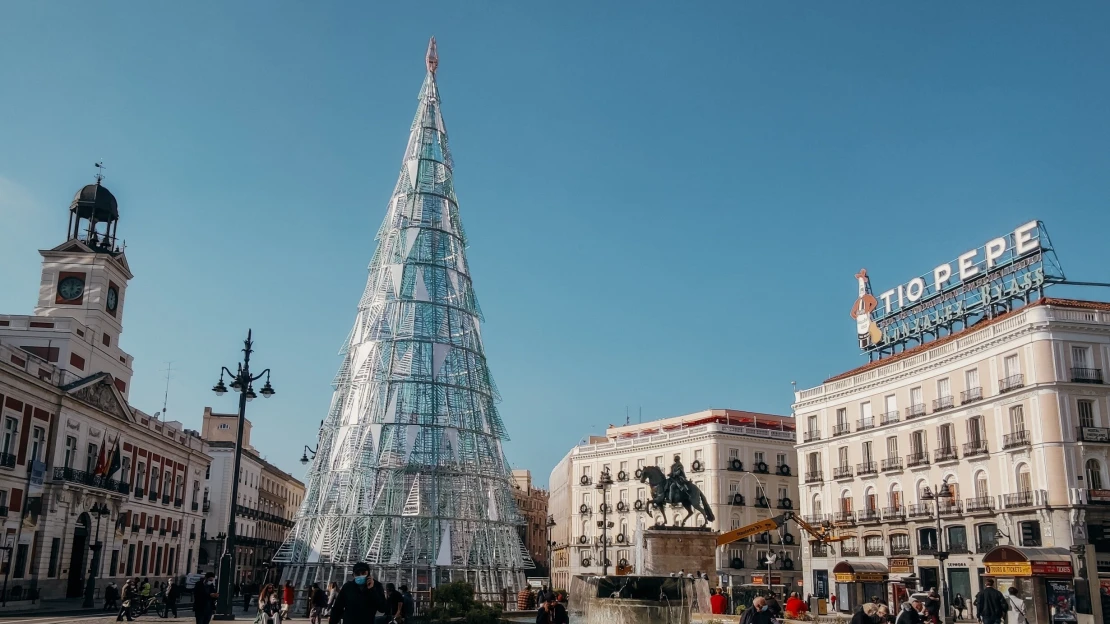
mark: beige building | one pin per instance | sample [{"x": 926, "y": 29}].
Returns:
[
  {"x": 268, "y": 500},
  {"x": 1011, "y": 412},
  {"x": 531, "y": 502},
  {"x": 741, "y": 461}
]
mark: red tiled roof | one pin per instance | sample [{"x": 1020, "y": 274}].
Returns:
[{"x": 1066, "y": 303}]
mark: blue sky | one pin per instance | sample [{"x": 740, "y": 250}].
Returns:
[{"x": 666, "y": 206}]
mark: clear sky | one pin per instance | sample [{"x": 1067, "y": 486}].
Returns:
[{"x": 666, "y": 202}]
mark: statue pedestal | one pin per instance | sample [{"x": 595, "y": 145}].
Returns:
[{"x": 670, "y": 549}]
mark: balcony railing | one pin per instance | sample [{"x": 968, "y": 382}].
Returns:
[
  {"x": 815, "y": 476},
  {"x": 7, "y": 460},
  {"x": 945, "y": 454},
  {"x": 971, "y": 395},
  {"x": 892, "y": 463},
  {"x": 1013, "y": 382},
  {"x": 950, "y": 508},
  {"x": 841, "y": 429},
  {"x": 899, "y": 549},
  {"x": 942, "y": 404},
  {"x": 1018, "y": 499},
  {"x": 849, "y": 550},
  {"x": 1086, "y": 375},
  {"x": 915, "y": 411},
  {"x": 984, "y": 547},
  {"x": 1016, "y": 439},
  {"x": 920, "y": 509},
  {"x": 927, "y": 548},
  {"x": 844, "y": 516},
  {"x": 868, "y": 515},
  {"x": 981, "y": 503},
  {"x": 810, "y": 436},
  {"x": 894, "y": 513},
  {"x": 867, "y": 468},
  {"x": 874, "y": 551},
  {"x": 917, "y": 459},
  {"x": 865, "y": 423},
  {"x": 842, "y": 472},
  {"x": 816, "y": 518},
  {"x": 1093, "y": 434},
  {"x": 888, "y": 418},
  {"x": 819, "y": 549},
  {"x": 958, "y": 548},
  {"x": 975, "y": 447},
  {"x": 89, "y": 479}
]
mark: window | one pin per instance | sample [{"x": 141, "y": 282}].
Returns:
[
  {"x": 624, "y": 469},
  {"x": 899, "y": 543},
  {"x": 140, "y": 477},
  {"x": 1024, "y": 480},
  {"x": 817, "y": 505},
  {"x": 975, "y": 432},
  {"x": 20, "y": 559},
  {"x": 916, "y": 396},
  {"x": 946, "y": 437},
  {"x": 982, "y": 486},
  {"x": 846, "y": 502},
  {"x": 841, "y": 416},
  {"x": 154, "y": 480},
  {"x": 892, "y": 447},
  {"x": 873, "y": 544},
  {"x": 1030, "y": 533},
  {"x": 38, "y": 443},
  {"x": 90, "y": 459},
  {"x": 586, "y": 499},
  {"x": 10, "y": 428},
  {"x": 812, "y": 424},
  {"x": 55, "y": 551},
  {"x": 1010, "y": 366},
  {"x": 71, "y": 452},
  {"x": 115, "y": 563},
  {"x": 733, "y": 454},
  {"x": 1086, "y": 413},
  {"x": 867, "y": 459},
  {"x": 870, "y": 500},
  {"x": 865, "y": 411},
  {"x": 783, "y": 492},
  {"x": 890, "y": 403},
  {"x": 896, "y": 496},
  {"x": 842, "y": 455},
  {"x": 780, "y": 459},
  {"x": 917, "y": 443},
  {"x": 659, "y": 461},
  {"x": 944, "y": 388},
  {"x": 813, "y": 463},
  {"x": 988, "y": 536},
  {"x": 225, "y": 425},
  {"x": 131, "y": 559},
  {"x": 1094, "y": 474},
  {"x": 1081, "y": 357},
  {"x": 927, "y": 539},
  {"x": 957, "y": 538},
  {"x": 971, "y": 378},
  {"x": 208, "y": 471},
  {"x": 125, "y": 469},
  {"x": 759, "y": 457},
  {"x": 1017, "y": 419}
]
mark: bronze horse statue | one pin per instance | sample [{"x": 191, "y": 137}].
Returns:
[{"x": 662, "y": 494}]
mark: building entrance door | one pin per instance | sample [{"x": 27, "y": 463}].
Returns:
[
  {"x": 76, "y": 585},
  {"x": 930, "y": 579},
  {"x": 959, "y": 582}
]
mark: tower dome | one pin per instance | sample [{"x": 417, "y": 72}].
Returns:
[{"x": 96, "y": 203}]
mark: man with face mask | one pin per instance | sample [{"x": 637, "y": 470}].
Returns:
[
  {"x": 204, "y": 599},
  {"x": 359, "y": 600},
  {"x": 759, "y": 613}
]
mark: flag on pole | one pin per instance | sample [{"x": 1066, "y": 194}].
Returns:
[
  {"x": 113, "y": 461},
  {"x": 102, "y": 460}
]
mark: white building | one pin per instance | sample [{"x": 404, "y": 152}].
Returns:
[{"x": 742, "y": 462}]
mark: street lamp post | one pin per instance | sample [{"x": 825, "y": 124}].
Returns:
[
  {"x": 98, "y": 510},
  {"x": 550, "y": 563},
  {"x": 942, "y": 492},
  {"x": 241, "y": 382},
  {"x": 604, "y": 482}
]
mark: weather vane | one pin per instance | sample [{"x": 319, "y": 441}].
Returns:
[{"x": 99, "y": 171}]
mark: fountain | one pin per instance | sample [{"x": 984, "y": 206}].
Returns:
[{"x": 637, "y": 599}]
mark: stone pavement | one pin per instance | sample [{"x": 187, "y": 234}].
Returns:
[{"x": 103, "y": 618}]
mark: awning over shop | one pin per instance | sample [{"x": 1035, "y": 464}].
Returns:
[
  {"x": 859, "y": 572},
  {"x": 1026, "y": 561}
]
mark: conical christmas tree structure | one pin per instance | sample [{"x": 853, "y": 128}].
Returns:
[{"x": 409, "y": 474}]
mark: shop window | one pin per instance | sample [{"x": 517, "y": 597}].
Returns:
[{"x": 957, "y": 539}]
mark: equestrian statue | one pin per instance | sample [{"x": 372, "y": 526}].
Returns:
[{"x": 675, "y": 489}]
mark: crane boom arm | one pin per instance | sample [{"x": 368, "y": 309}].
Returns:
[{"x": 770, "y": 524}]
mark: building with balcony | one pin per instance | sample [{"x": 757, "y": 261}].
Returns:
[
  {"x": 69, "y": 439},
  {"x": 1011, "y": 412},
  {"x": 268, "y": 500},
  {"x": 741, "y": 461},
  {"x": 531, "y": 502}
]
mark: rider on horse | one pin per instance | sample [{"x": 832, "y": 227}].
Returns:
[{"x": 677, "y": 477}]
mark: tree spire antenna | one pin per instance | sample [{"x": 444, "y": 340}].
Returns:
[{"x": 432, "y": 58}]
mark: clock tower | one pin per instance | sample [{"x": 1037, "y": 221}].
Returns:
[{"x": 85, "y": 279}]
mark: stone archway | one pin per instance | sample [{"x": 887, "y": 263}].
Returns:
[{"x": 75, "y": 587}]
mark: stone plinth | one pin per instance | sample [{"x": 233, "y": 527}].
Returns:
[{"x": 670, "y": 549}]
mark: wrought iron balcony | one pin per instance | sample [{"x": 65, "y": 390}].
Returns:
[
  {"x": 945, "y": 454},
  {"x": 950, "y": 507},
  {"x": 917, "y": 459},
  {"x": 89, "y": 479},
  {"x": 920, "y": 509},
  {"x": 927, "y": 548},
  {"x": 761, "y": 501},
  {"x": 7, "y": 460},
  {"x": 865, "y": 423},
  {"x": 1016, "y": 439},
  {"x": 1013, "y": 382},
  {"x": 958, "y": 548},
  {"x": 844, "y": 516},
  {"x": 983, "y": 547},
  {"x": 981, "y": 503},
  {"x": 842, "y": 472},
  {"x": 816, "y": 519},
  {"x": 915, "y": 411},
  {"x": 849, "y": 550},
  {"x": 867, "y": 468},
  {"x": 841, "y": 429},
  {"x": 810, "y": 436},
  {"x": 975, "y": 447},
  {"x": 1093, "y": 434},
  {"x": 815, "y": 476},
  {"x": 874, "y": 551},
  {"x": 894, "y": 513},
  {"x": 900, "y": 549},
  {"x": 971, "y": 395},
  {"x": 868, "y": 515},
  {"x": 888, "y": 418},
  {"x": 1086, "y": 375},
  {"x": 1018, "y": 499},
  {"x": 892, "y": 463},
  {"x": 942, "y": 404}
]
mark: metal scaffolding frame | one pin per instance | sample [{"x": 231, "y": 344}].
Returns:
[{"x": 409, "y": 474}]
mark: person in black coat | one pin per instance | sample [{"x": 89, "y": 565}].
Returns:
[
  {"x": 551, "y": 612},
  {"x": 359, "y": 600},
  {"x": 909, "y": 614},
  {"x": 204, "y": 599}
]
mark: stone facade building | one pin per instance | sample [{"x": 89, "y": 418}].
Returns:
[{"x": 531, "y": 502}]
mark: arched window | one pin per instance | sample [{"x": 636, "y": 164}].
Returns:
[
  {"x": 846, "y": 501},
  {"x": 870, "y": 500},
  {"x": 895, "y": 497},
  {"x": 816, "y": 504},
  {"x": 1024, "y": 479},
  {"x": 982, "y": 485},
  {"x": 922, "y": 486},
  {"x": 1094, "y": 474}
]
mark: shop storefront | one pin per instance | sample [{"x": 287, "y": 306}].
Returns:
[
  {"x": 857, "y": 582},
  {"x": 1043, "y": 577},
  {"x": 901, "y": 568}
]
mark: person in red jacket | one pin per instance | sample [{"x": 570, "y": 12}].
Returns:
[
  {"x": 795, "y": 606},
  {"x": 717, "y": 601}
]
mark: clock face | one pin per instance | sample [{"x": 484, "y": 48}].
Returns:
[
  {"x": 71, "y": 288},
  {"x": 113, "y": 299}
]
